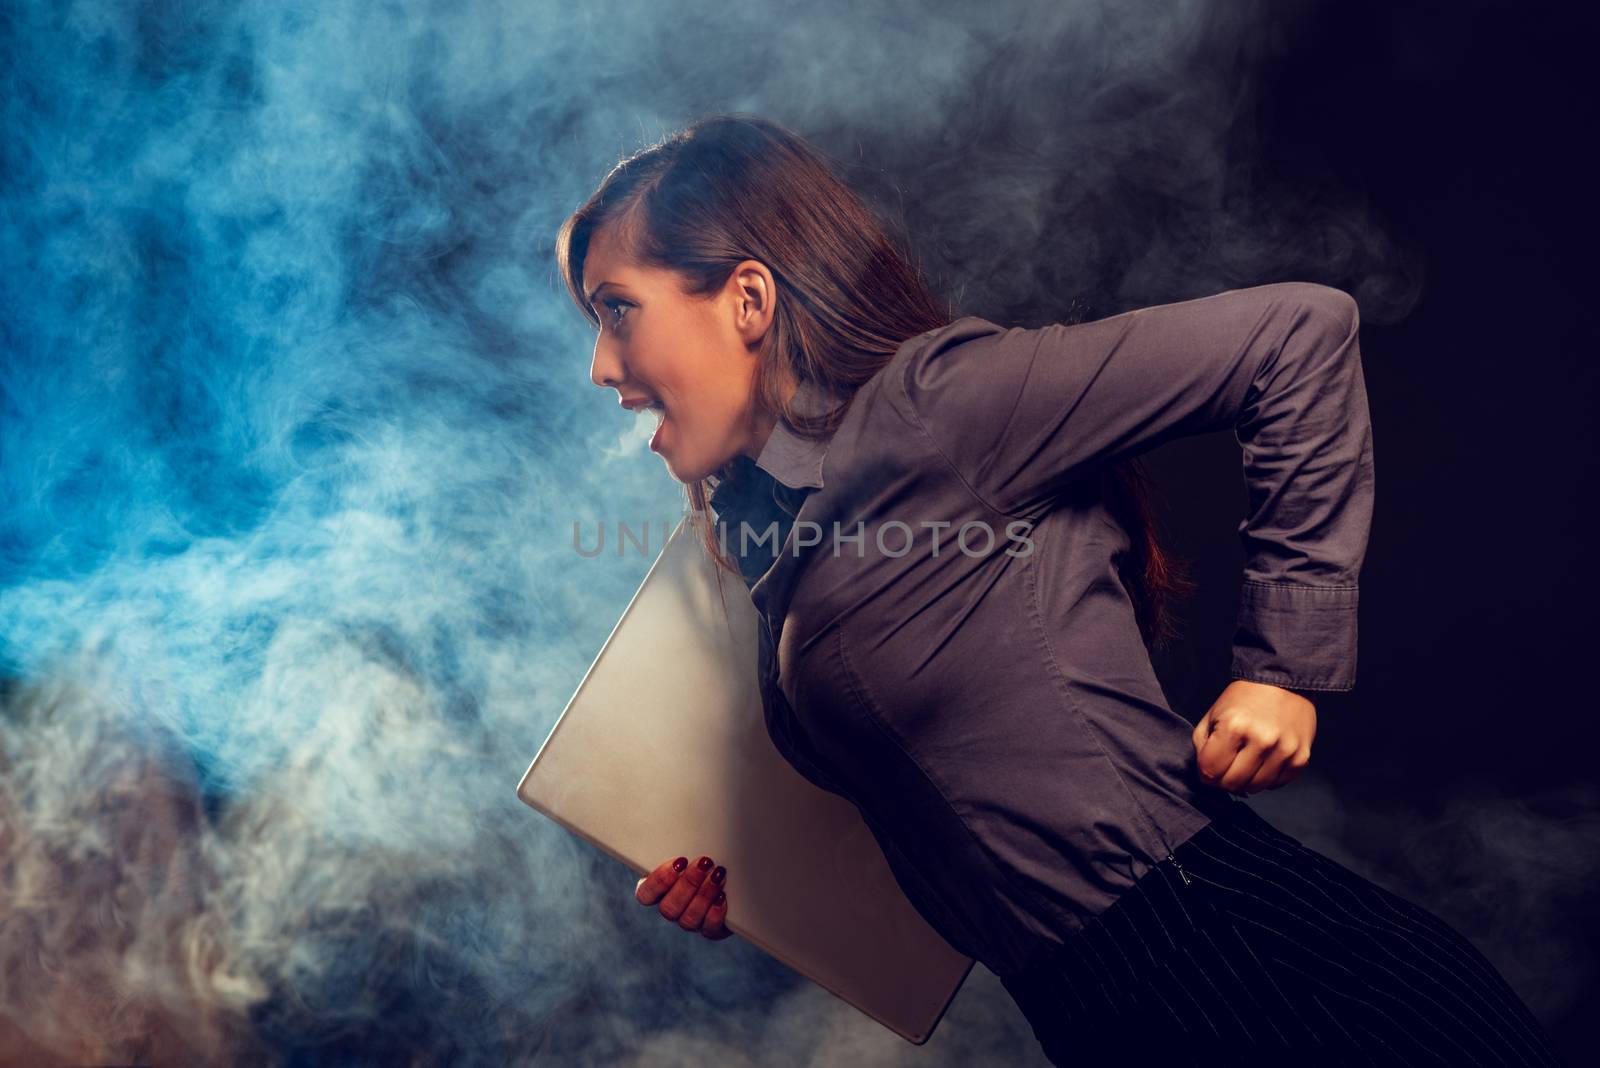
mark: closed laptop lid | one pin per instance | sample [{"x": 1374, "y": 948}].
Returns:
[{"x": 663, "y": 751}]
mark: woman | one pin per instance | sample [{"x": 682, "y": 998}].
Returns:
[{"x": 956, "y": 629}]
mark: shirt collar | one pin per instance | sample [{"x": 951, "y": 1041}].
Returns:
[{"x": 793, "y": 460}]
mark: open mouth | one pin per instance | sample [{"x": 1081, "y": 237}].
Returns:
[{"x": 659, "y": 411}]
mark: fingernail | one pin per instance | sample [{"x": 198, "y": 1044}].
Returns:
[
  {"x": 719, "y": 899},
  {"x": 705, "y": 863},
  {"x": 680, "y": 864},
  {"x": 720, "y": 874}
]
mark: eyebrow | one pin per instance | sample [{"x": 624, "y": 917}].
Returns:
[{"x": 596, "y": 290}]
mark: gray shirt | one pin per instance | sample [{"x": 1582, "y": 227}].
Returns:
[{"x": 946, "y": 640}]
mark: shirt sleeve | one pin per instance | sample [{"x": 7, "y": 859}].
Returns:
[{"x": 1020, "y": 413}]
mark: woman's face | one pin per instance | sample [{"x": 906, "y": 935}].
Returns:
[{"x": 695, "y": 357}]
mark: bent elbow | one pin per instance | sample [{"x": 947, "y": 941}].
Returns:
[{"x": 1330, "y": 316}]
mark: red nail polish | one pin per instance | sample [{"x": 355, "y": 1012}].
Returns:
[
  {"x": 720, "y": 874},
  {"x": 680, "y": 864},
  {"x": 719, "y": 899},
  {"x": 705, "y": 863}
]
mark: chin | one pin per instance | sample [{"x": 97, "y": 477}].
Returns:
[
  {"x": 676, "y": 468},
  {"x": 686, "y": 469},
  {"x": 683, "y": 475}
]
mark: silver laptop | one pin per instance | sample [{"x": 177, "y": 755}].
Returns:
[{"x": 663, "y": 752}]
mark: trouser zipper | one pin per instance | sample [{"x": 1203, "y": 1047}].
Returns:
[{"x": 1181, "y": 872}]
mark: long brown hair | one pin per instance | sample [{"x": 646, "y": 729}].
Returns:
[{"x": 734, "y": 187}]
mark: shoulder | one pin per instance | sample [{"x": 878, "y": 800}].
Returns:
[{"x": 922, "y": 363}]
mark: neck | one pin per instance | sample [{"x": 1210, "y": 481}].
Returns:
[
  {"x": 763, "y": 423},
  {"x": 762, "y": 420}
]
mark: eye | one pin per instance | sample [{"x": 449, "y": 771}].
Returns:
[{"x": 616, "y": 307}]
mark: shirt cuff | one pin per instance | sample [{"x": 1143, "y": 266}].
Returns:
[{"x": 1297, "y": 637}]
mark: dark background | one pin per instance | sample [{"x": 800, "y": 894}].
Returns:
[{"x": 1464, "y": 760}]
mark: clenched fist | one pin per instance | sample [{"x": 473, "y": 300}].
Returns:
[{"x": 1254, "y": 737}]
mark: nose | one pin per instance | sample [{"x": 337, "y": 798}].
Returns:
[{"x": 605, "y": 370}]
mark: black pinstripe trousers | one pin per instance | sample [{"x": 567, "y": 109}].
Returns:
[{"x": 1249, "y": 942}]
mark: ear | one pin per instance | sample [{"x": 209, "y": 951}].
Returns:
[{"x": 753, "y": 294}]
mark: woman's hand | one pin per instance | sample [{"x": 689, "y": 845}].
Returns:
[
  {"x": 1254, "y": 737},
  {"x": 689, "y": 895}
]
